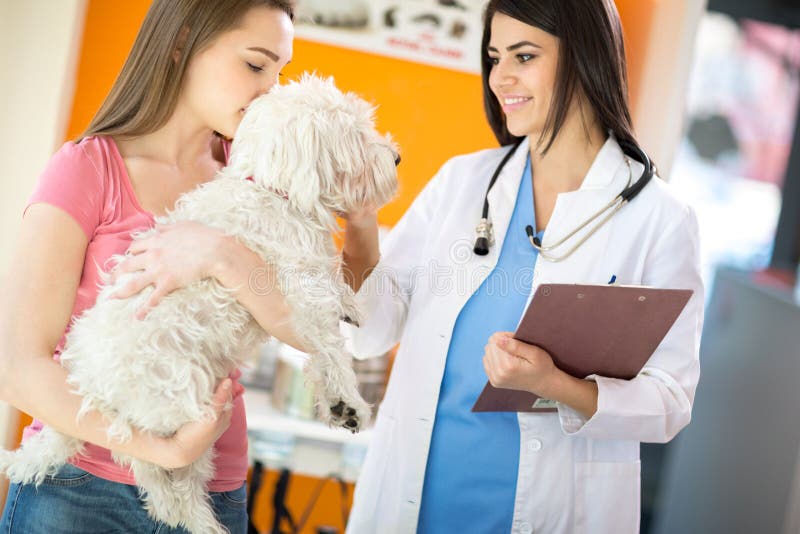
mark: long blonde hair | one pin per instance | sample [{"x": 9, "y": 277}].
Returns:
[{"x": 146, "y": 91}]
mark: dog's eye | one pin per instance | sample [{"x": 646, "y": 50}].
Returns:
[{"x": 397, "y": 160}]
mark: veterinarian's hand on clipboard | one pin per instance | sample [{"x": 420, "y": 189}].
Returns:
[
  {"x": 512, "y": 364},
  {"x": 577, "y": 330}
]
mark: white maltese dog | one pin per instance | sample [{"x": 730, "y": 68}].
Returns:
[{"x": 312, "y": 152}]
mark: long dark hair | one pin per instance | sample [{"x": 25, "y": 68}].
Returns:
[{"x": 591, "y": 60}]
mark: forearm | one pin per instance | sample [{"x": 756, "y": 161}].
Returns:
[
  {"x": 361, "y": 251},
  {"x": 37, "y": 386},
  {"x": 650, "y": 408},
  {"x": 580, "y": 395},
  {"x": 256, "y": 288}
]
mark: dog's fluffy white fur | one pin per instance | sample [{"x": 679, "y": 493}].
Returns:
[{"x": 312, "y": 152}]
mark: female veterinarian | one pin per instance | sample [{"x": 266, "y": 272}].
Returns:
[
  {"x": 554, "y": 80},
  {"x": 195, "y": 66}
]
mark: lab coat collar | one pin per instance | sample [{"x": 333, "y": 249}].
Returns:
[
  {"x": 606, "y": 177},
  {"x": 603, "y": 173},
  {"x": 605, "y": 166}
]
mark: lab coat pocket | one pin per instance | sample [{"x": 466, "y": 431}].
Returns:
[{"x": 607, "y": 497}]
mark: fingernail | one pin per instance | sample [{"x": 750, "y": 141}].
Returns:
[{"x": 503, "y": 342}]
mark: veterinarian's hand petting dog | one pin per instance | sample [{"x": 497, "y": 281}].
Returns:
[
  {"x": 361, "y": 234},
  {"x": 367, "y": 215}
]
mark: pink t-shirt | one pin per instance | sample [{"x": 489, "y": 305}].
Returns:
[{"x": 89, "y": 181}]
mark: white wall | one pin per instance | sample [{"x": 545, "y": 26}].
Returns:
[
  {"x": 39, "y": 41},
  {"x": 661, "y": 105}
]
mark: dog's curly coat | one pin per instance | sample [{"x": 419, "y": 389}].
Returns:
[{"x": 312, "y": 152}]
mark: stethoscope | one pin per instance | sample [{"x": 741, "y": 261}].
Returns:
[{"x": 485, "y": 234}]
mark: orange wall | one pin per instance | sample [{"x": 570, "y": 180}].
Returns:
[
  {"x": 637, "y": 20},
  {"x": 432, "y": 113}
]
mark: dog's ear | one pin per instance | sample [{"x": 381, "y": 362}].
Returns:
[
  {"x": 380, "y": 172},
  {"x": 318, "y": 146},
  {"x": 281, "y": 144},
  {"x": 365, "y": 160}
]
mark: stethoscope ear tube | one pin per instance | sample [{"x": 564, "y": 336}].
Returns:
[
  {"x": 633, "y": 151},
  {"x": 484, "y": 229}
]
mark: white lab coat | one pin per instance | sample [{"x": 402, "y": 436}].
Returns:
[{"x": 575, "y": 475}]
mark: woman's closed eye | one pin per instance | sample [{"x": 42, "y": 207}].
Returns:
[
  {"x": 254, "y": 68},
  {"x": 522, "y": 58}
]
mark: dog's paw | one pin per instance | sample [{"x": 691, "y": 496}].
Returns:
[{"x": 351, "y": 414}]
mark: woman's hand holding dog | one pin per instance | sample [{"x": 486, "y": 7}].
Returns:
[
  {"x": 193, "y": 439},
  {"x": 172, "y": 258},
  {"x": 182, "y": 253}
]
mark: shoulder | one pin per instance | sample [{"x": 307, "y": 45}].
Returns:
[
  {"x": 476, "y": 159},
  {"x": 665, "y": 202},
  {"x": 76, "y": 180},
  {"x": 462, "y": 176},
  {"x": 474, "y": 168},
  {"x": 103, "y": 152},
  {"x": 94, "y": 157},
  {"x": 75, "y": 153},
  {"x": 663, "y": 212},
  {"x": 85, "y": 161}
]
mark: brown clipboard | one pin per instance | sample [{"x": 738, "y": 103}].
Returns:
[{"x": 609, "y": 331}]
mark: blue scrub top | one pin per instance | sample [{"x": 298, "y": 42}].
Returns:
[{"x": 471, "y": 475}]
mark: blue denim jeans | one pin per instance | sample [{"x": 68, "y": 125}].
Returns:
[{"x": 76, "y": 502}]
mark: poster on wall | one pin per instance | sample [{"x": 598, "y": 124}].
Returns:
[{"x": 443, "y": 33}]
